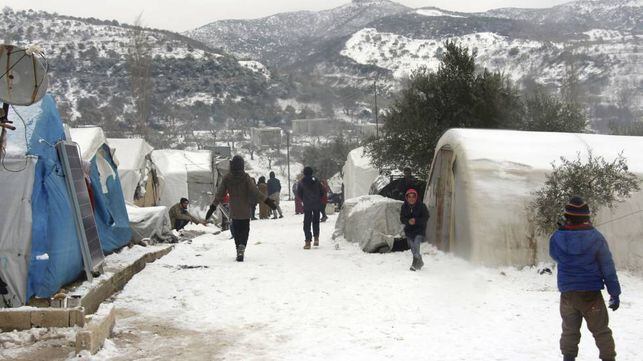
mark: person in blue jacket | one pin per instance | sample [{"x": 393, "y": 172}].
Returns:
[{"x": 585, "y": 266}]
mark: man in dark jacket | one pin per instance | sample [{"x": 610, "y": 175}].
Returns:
[
  {"x": 585, "y": 265},
  {"x": 243, "y": 192},
  {"x": 310, "y": 192},
  {"x": 274, "y": 191},
  {"x": 414, "y": 215}
]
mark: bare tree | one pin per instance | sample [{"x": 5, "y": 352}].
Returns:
[{"x": 139, "y": 63}]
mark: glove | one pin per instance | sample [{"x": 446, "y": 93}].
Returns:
[
  {"x": 270, "y": 203},
  {"x": 614, "y": 303},
  {"x": 211, "y": 210}
]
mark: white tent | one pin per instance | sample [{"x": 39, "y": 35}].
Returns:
[
  {"x": 131, "y": 156},
  {"x": 359, "y": 173},
  {"x": 90, "y": 140},
  {"x": 372, "y": 221},
  {"x": 186, "y": 174},
  {"x": 482, "y": 181}
]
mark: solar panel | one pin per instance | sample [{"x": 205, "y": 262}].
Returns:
[{"x": 90, "y": 246}]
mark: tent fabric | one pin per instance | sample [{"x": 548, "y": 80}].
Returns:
[
  {"x": 17, "y": 179},
  {"x": 495, "y": 173},
  {"x": 371, "y": 221},
  {"x": 55, "y": 257},
  {"x": 185, "y": 174},
  {"x": 149, "y": 222},
  {"x": 130, "y": 155},
  {"x": 109, "y": 205},
  {"x": 359, "y": 174}
]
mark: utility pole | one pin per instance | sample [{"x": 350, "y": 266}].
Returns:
[
  {"x": 377, "y": 126},
  {"x": 288, "y": 159}
]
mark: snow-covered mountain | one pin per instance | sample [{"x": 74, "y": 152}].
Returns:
[
  {"x": 89, "y": 75},
  {"x": 596, "y": 41}
]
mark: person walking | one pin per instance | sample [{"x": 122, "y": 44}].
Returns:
[
  {"x": 585, "y": 266},
  {"x": 253, "y": 203},
  {"x": 324, "y": 199},
  {"x": 310, "y": 192},
  {"x": 180, "y": 217},
  {"x": 274, "y": 192},
  {"x": 414, "y": 215},
  {"x": 299, "y": 206},
  {"x": 242, "y": 191},
  {"x": 264, "y": 210}
]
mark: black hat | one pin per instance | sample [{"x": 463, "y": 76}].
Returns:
[
  {"x": 308, "y": 171},
  {"x": 184, "y": 200},
  {"x": 236, "y": 163},
  {"x": 577, "y": 207}
]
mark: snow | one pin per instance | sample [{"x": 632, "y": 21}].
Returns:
[
  {"x": 255, "y": 66},
  {"x": 435, "y": 12},
  {"x": 339, "y": 303}
]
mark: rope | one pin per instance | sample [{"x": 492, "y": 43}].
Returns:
[
  {"x": 4, "y": 151},
  {"x": 621, "y": 217}
]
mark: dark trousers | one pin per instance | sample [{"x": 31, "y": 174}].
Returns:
[
  {"x": 240, "y": 230},
  {"x": 180, "y": 223},
  {"x": 589, "y": 305},
  {"x": 323, "y": 211},
  {"x": 311, "y": 218}
]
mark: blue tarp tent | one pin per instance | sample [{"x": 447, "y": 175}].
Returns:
[{"x": 39, "y": 248}]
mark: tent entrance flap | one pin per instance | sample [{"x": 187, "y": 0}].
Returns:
[{"x": 441, "y": 225}]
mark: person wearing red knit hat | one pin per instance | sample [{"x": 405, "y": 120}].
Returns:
[{"x": 414, "y": 215}]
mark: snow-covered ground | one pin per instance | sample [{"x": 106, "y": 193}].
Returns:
[{"x": 338, "y": 303}]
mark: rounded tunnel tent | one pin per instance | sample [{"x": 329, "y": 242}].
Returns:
[
  {"x": 132, "y": 158},
  {"x": 481, "y": 183},
  {"x": 110, "y": 212},
  {"x": 39, "y": 247},
  {"x": 189, "y": 174}
]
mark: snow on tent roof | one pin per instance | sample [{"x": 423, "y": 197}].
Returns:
[
  {"x": 489, "y": 176},
  {"x": 130, "y": 153},
  {"x": 89, "y": 139},
  {"x": 359, "y": 173}
]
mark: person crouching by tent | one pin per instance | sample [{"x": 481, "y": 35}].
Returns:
[
  {"x": 180, "y": 217},
  {"x": 310, "y": 192},
  {"x": 414, "y": 215},
  {"x": 585, "y": 265},
  {"x": 243, "y": 192}
]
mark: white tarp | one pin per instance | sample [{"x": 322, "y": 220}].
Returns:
[
  {"x": 185, "y": 174},
  {"x": 15, "y": 226},
  {"x": 496, "y": 172},
  {"x": 130, "y": 155},
  {"x": 359, "y": 173},
  {"x": 89, "y": 139},
  {"x": 372, "y": 221},
  {"x": 148, "y": 222}
]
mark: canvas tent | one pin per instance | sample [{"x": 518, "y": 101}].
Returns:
[
  {"x": 109, "y": 205},
  {"x": 481, "y": 183},
  {"x": 188, "y": 174},
  {"x": 132, "y": 158},
  {"x": 371, "y": 221},
  {"x": 359, "y": 174},
  {"x": 39, "y": 246}
]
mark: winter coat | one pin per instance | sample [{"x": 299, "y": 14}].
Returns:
[
  {"x": 274, "y": 186},
  {"x": 325, "y": 189},
  {"x": 243, "y": 193},
  {"x": 310, "y": 192},
  {"x": 264, "y": 210},
  {"x": 584, "y": 260},
  {"x": 178, "y": 212},
  {"x": 421, "y": 215}
]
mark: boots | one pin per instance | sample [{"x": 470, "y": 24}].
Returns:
[
  {"x": 417, "y": 264},
  {"x": 241, "y": 249},
  {"x": 316, "y": 243},
  {"x": 307, "y": 245}
]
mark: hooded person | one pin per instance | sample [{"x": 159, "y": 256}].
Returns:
[
  {"x": 310, "y": 191},
  {"x": 585, "y": 266},
  {"x": 264, "y": 210},
  {"x": 414, "y": 215},
  {"x": 243, "y": 192}
]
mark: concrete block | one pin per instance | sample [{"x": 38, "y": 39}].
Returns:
[
  {"x": 76, "y": 317},
  {"x": 15, "y": 320},
  {"x": 99, "y": 328},
  {"x": 50, "y": 318}
]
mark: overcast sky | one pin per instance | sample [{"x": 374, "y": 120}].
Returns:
[{"x": 181, "y": 15}]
